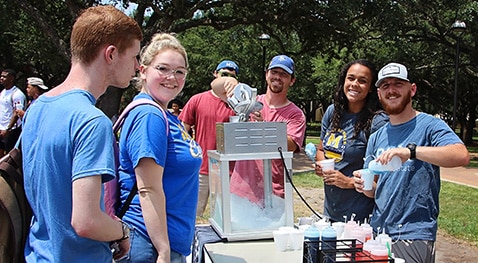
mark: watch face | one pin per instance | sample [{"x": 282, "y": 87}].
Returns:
[
  {"x": 412, "y": 147},
  {"x": 125, "y": 230}
]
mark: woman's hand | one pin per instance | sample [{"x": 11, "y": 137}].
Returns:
[
  {"x": 335, "y": 177},
  {"x": 318, "y": 169}
]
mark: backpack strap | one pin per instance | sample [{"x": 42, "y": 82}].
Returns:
[
  {"x": 12, "y": 165},
  {"x": 117, "y": 126},
  {"x": 135, "y": 103}
]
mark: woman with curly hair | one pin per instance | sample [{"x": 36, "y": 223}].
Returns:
[{"x": 346, "y": 127}]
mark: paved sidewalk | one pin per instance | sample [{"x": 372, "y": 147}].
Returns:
[{"x": 459, "y": 175}]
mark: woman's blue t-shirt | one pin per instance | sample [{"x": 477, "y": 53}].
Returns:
[{"x": 147, "y": 134}]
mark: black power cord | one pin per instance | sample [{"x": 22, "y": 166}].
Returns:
[{"x": 293, "y": 186}]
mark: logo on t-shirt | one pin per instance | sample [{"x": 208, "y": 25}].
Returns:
[{"x": 334, "y": 144}]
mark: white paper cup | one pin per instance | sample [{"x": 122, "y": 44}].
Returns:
[
  {"x": 399, "y": 260},
  {"x": 367, "y": 177},
  {"x": 296, "y": 239},
  {"x": 327, "y": 164},
  {"x": 281, "y": 239}
]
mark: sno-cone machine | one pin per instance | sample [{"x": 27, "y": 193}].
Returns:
[{"x": 234, "y": 217}]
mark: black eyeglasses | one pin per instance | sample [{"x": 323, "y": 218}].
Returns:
[{"x": 227, "y": 74}]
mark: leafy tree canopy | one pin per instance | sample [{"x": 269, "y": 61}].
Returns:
[{"x": 321, "y": 36}]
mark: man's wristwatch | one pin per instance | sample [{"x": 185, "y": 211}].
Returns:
[
  {"x": 125, "y": 231},
  {"x": 413, "y": 150}
]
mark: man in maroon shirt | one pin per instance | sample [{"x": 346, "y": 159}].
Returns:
[{"x": 203, "y": 111}]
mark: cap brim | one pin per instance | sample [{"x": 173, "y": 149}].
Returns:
[
  {"x": 282, "y": 67},
  {"x": 377, "y": 84}
]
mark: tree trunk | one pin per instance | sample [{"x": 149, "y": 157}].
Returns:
[
  {"x": 470, "y": 126},
  {"x": 110, "y": 101}
]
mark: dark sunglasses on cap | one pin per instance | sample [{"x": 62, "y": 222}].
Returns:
[{"x": 227, "y": 74}]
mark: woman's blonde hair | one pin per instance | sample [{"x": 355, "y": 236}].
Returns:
[{"x": 159, "y": 43}]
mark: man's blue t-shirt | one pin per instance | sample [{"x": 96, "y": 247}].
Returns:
[
  {"x": 407, "y": 199},
  {"x": 63, "y": 140},
  {"x": 143, "y": 136}
]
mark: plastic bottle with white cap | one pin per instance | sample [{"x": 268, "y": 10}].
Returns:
[
  {"x": 393, "y": 165},
  {"x": 349, "y": 226},
  {"x": 329, "y": 244},
  {"x": 385, "y": 239},
  {"x": 367, "y": 229},
  {"x": 311, "y": 234}
]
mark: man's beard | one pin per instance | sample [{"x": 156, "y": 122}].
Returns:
[{"x": 397, "y": 109}]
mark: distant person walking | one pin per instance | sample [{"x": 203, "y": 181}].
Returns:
[
  {"x": 11, "y": 99},
  {"x": 35, "y": 88},
  {"x": 175, "y": 107}
]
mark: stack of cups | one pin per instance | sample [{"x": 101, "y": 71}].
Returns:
[
  {"x": 288, "y": 238},
  {"x": 305, "y": 221}
]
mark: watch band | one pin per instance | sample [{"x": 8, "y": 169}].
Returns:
[
  {"x": 413, "y": 150},
  {"x": 126, "y": 231}
]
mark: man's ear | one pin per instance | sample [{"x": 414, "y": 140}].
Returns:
[
  {"x": 413, "y": 89},
  {"x": 292, "y": 81},
  {"x": 109, "y": 53}
]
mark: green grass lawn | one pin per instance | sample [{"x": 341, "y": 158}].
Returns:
[
  {"x": 458, "y": 211},
  {"x": 474, "y": 156},
  {"x": 458, "y": 207}
]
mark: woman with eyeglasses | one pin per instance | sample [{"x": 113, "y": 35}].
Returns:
[{"x": 158, "y": 155}]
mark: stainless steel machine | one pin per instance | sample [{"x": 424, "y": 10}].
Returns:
[{"x": 232, "y": 216}]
